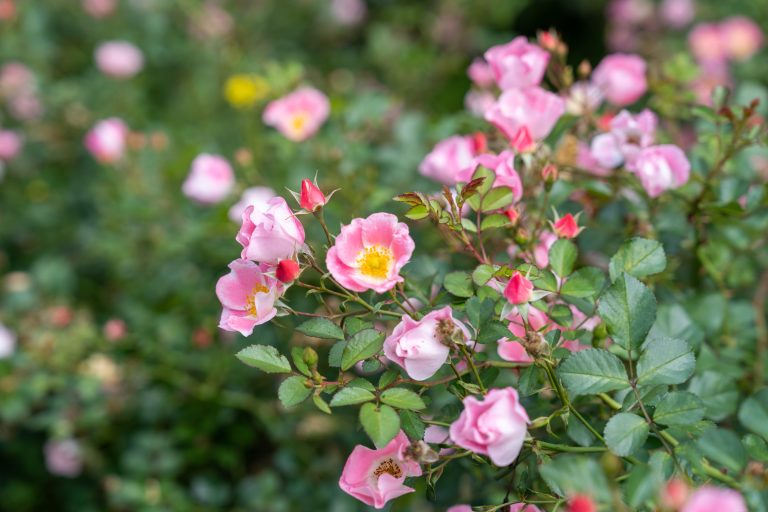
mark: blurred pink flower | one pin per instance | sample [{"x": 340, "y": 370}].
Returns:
[
  {"x": 587, "y": 161},
  {"x": 26, "y": 106},
  {"x": 481, "y": 73},
  {"x": 248, "y": 295},
  {"x": 212, "y": 22},
  {"x": 513, "y": 351},
  {"x": 706, "y": 43},
  {"x": 715, "y": 499},
  {"x": 106, "y": 140},
  {"x": 629, "y": 12},
  {"x": 63, "y": 457},
  {"x": 114, "y": 329},
  {"x": 712, "y": 74},
  {"x": 99, "y": 8},
  {"x": 450, "y": 158},
  {"x": 257, "y": 197},
  {"x": 478, "y": 102},
  {"x": 348, "y": 12},
  {"x": 210, "y": 179},
  {"x": 517, "y": 64},
  {"x": 299, "y": 114},
  {"x": 270, "y": 232},
  {"x": 605, "y": 150},
  {"x": 660, "y": 168},
  {"x": 583, "y": 97},
  {"x": 621, "y": 77},
  {"x": 119, "y": 59},
  {"x": 7, "y": 342},
  {"x": 10, "y": 144},
  {"x": 634, "y": 132},
  {"x": 677, "y": 13},
  {"x": 15, "y": 78},
  {"x": 523, "y": 507},
  {"x": 533, "y": 108},
  {"x": 741, "y": 37}
]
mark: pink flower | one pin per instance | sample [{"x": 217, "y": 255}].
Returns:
[
  {"x": 481, "y": 73},
  {"x": 534, "y": 108},
  {"x": 459, "y": 508},
  {"x": 518, "y": 289},
  {"x": 567, "y": 227},
  {"x": 369, "y": 253},
  {"x": 311, "y": 197},
  {"x": 450, "y": 159},
  {"x": 10, "y": 144},
  {"x": 63, "y": 458},
  {"x": 513, "y": 351},
  {"x": 377, "y": 476},
  {"x": 348, "y": 12},
  {"x": 634, "y": 131},
  {"x": 606, "y": 152},
  {"x": 257, "y": 197},
  {"x": 503, "y": 165},
  {"x": 16, "y": 78},
  {"x": 583, "y": 97},
  {"x": 706, "y": 44},
  {"x": 270, "y": 232},
  {"x": 541, "y": 251},
  {"x": 660, "y": 168},
  {"x": 248, "y": 296},
  {"x": 287, "y": 271},
  {"x": 435, "y": 434},
  {"x": 99, "y": 8},
  {"x": 106, "y": 140},
  {"x": 574, "y": 345},
  {"x": 114, "y": 329},
  {"x": 537, "y": 321},
  {"x": 741, "y": 37},
  {"x": 712, "y": 74},
  {"x": 478, "y": 102},
  {"x": 715, "y": 499},
  {"x": 119, "y": 59},
  {"x": 495, "y": 426},
  {"x": 674, "y": 494},
  {"x": 419, "y": 345},
  {"x": 677, "y": 13},
  {"x": 522, "y": 507},
  {"x": 210, "y": 179},
  {"x": 517, "y": 64},
  {"x": 7, "y": 342},
  {"x": 587, "y": 161},
  {"x": 299, "y": 114},
  {"x": 522, "y": 142},
  {"x": 621, "y": 77}
]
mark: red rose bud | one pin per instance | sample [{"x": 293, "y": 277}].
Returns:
[
  {"x": 479, "y": 142},
  {"x": 549, "y": 173},
  {"x": 581, "y": 503},
  {"x": 566, "y": 227},
  {"x": 311, "y": 197},
  {"x": 674, "y": 494},
  {"x": 287, "y": 271},
  {"x": 512, "y": 214},
  {"x": 518, "y": 289},
  {"x": 548, "y": 40}
]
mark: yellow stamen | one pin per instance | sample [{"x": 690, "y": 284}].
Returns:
[
  {"x": 298, "y": 122},
  {"x": 250, "y": 305},
  {"x": 375, "y": 262}
]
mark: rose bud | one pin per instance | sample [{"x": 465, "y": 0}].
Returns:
[
  {"x": 567, "y": 227},
  {"x": 549, "y": 173},
  {"x": 287, "y": 271},
  {"x": 512, "y": 214},
  {"x": 581, "y": 503},
  {"x": 311, "y": 197},
  {"x": 518, "y": 289}
]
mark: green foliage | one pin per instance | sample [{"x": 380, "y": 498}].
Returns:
[{"x": 266, "y": 358}]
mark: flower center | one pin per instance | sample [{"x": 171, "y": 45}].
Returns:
[
  {"x": 375, "y": 262},
  {"x": 298, "y": 122},
  {"x": 388, "y": 466},
  {"x": 250, "y": 305}
]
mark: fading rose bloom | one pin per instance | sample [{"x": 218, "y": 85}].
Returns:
[
  {"x": 481, "y": 73},
  {"x": 533, "y": 108},
  {"x": 706, "y": 44},
  {"x": 419, "y": 346},
  {"x": 107, "y": 139},
  {"x": 634, "y": 132},
  {"x": 210, "y": 179},
  {"x": 660, "y": 168},
  {"x": 63, "y": 457},
  {"x": 677, "y": 13},
  {"x": 369, "y": 253},
  {"x": 478, "y": 102},
  {"x": 348, "y": 12},
  {"x": 298, "y": 115},
  {"x": 119, "y": 59},
  {"x": 99, "y": 8},
  {"x": 741, "y": 37},
  {"x": 621, "y": 77},
  {"x": 248, "y": 295},
  {"x": 583, "y": 97},
  {"x": 7, "y": 342},
  {"x": 270, "y": 232},
  {"x": 517, "y": 64},
  {"x": 377, "y": 476},
  {"x": 715, "y": 499},
  {"x": 10, "y": 144},
  {"x": 450, "y": 158},
  {"x": 258, "y": 197},
  {"x": 495, "y": 426},
  {"x": 503, "y": 166}
]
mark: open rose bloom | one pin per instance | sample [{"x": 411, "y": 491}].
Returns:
[
  {"x": 451, "y": 159},
  {"x": 622, "y": 78},
  {"x": 210, "y": 179},
  {"x": 377, "y": 476},
  {"x": 248, "y": 293},
  {"x": 270, "y": 232},
  {"x": 517, "y": 64},
  {"x": 533, "y": 109},
  {"x": 298, "y": 115},
  {"x": 369, "y": 253}
]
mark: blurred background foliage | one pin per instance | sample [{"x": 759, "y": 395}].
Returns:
[{"x": 166, "y": 417}]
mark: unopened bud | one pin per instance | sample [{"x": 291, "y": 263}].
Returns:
[
  {"x": 309, "y": 356},
  {"x": 287, "y": 271},
  {"x": 311, "y": 197}
]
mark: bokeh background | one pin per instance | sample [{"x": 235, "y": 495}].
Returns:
[{"x": 117, "y": 390}]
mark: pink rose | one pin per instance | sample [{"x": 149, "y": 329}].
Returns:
[
  {"x": 348, "y": 12},
  {"x": 581, "y": 503},
  {"x": 450, "y": 159},
  {"x": 478, "y": 102},
  {"x": 583, "y": 97},
  {"x": 248, "y": 295},
  {"x": 369, "y": 253},
  {"x": 15, "y": 78},
  {"x": 311, "y": 197},
  {"x": 537, "y": 321},
  {"x": 517, "y": 64},
  {"x": 64, "y": 457},
  {"x": 677, "y": 13},
  {"x": 712, "y": 74},
  {"x": 377, "y": 476},
  {"x": 621, "y": 78},
  {"x": 481, "y": 73},
  {"x": 705, "y": 42},
  {"x": 715, "y": 499},
  {"x": 99, "y": 8},
  {"x": 606, "y": 152},
  {"x": 418, "y": 345},
  {"x": 634, "y": 131},
  {"x": 513, "y": 351},
  {"x": 10, "y": 144},
  {"x": 119, "y": 59},
  {"x": 534, "y": 108},
  {"x": 257, "y": 197},
  {"x": 459, "y": 508},
  {"x": 106, "y": 140},
  {"x": 114, "y": 329},
  {"x": 503, "y": 165},
  {"x": 495, "y": 426},
  {"x": 299, "y": 114},
  {"x": 587, "y": 161},
  {"x": 270, "y": 232},
  {"x": 518, "y": 289},
  {"x": 660, "y": 168},
  {"x": 210, "y": 179},
  {"x": 674, "y": 494},
  {"x": 523, "y": 507},
  {"x": 741, "y": 37}
]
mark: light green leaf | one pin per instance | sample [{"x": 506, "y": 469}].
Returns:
[
  {"x": 266, "y": 358},
  {"x": 638, "y": 257},
  {"x": 292, "y": 391},
  {"x": 628, "y": 309},
  {"x": 497, "y": 199},
  {"x": 665, "y": 361},
  {"x": 321, "y": 328},
  {"x": 297, "y": 355},
  {"x": 482, "y": 274},
  {"x": 381, "y": 424},
  {"x": 459, "y": 284},
  {"x": 625, "y": 433},
  {"x": 351, "y": 396},
  {"x": 585, "y": 282},
  {"x": 679, "y": 408},
  {"x": 562, "y": 257},
  {"x": 403, "y": 399},
  {"x": 593, "y": 371},
  {"x": 497, "y": 220},
  {"x": 362, "y": 345},
  {"x": 753, "y": 413}
]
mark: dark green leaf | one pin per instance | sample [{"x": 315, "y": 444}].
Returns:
[
  {"x": 366, "y": 343},
  {"x": 625, "y": 433},
  {"x": 665, "y": 361},
  {"x": 459, "y": 284},
  {"x": 638, "y": 257},
  {"x": 585, "y": 282},
  {"x": 679, "y": 408},
  {"x": 753, "y": 413},
  {"x": 628, "y": 309},
  {"x": 351, "y": 396},
  {"x": 724, "y": 448},
  {"x": 403, "y": 399},
  {"x": 593, "y": 371}
]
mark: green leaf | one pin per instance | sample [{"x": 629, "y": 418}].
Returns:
[
  {"x": 593, "y": 371},
  {"x": 482, "y": 274},
  {"x": 497, "y": 199},
  {"x": 478, "y": 311},
  {"x": 459, "y": 284},
  {"x": 388, "y": 377},
  {"x": 334, "y": 355},
  {"x": 491, "y": 332},
  {"x": 628, "y": 309},
  {"x": 567, "y": 475},
  {"x": 321, "y": 328},
  {"x": 362, "y": 345},
  {"x": 381, "y": 424},
  {"x": 638, "y": 257},
  {"x": 585, "y": 282},
  {"x": 723, "y": 447},
  {"x": 753, "y": 413},
  {"x": 718, "y": 391},
  {"x": 562, "y": 257},
  {"x": 497, "y": 220},
  {"x": 297, "y": 355},
  {"x": 417, "y": 212},
  {"x": 679, "y": 408},
  {"x": 665, "y": 361},
  {"x": 625, "y": 433},
  {"x": 264, "y": 357},
  {"x": 292, "y": 391},
  {"x": 351, "y": 396},
  {"x": 412, "y": 425},
  {"x": 320, "y": 404},
  {"x": 403, "y": 399}
]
